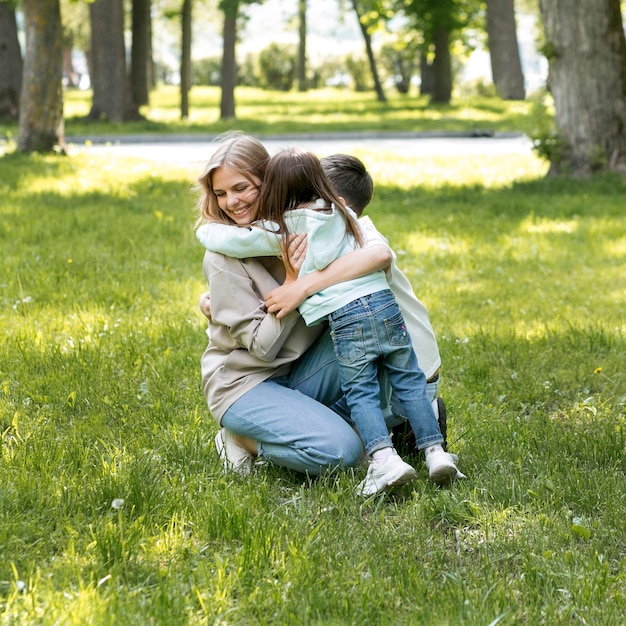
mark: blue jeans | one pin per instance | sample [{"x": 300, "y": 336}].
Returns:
[
  {"x": 289, "y": 418},
  {"x": 369, "y": 334}
]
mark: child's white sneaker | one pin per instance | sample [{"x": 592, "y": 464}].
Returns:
[
  {"x": 392, "y": 471},
  {"x": 234, "y": 458},
  {"x": 441, "y": 465}
]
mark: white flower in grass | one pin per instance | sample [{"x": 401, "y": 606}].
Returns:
[{"x": 117, "y": 503}]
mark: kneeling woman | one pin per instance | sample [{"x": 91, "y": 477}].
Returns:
[{"x": 269, "y": 382}]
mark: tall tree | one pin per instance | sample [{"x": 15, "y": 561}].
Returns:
[
  {"x": 185, "y": 59},
  {"x": 229, "y": 64},
  {"x": 586, "y": 52},
  {"x": 10, "y": 62},
  {"x": 506, "y": 66},
  {"x": 302, "y": 81},
  {"x": 231, "y": 11},
  {"x": 112, "y": 98},
  {"x": 442, "y": 64},
  {"x": 365, "y": 24},
  {"x": 41, "y": 101},
  {"x": 441, "y": 22},
  {"x": 141, "y": 52}
]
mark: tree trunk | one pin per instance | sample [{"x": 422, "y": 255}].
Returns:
[
  {"x": 229, "y": 66},
  {"x": 10, "y": 62},
  {"x": 506, "y": 66},
  {"x": 70, "y": 75},
  {"x": 41, "y": 100},
  {"x": 380, "y": 94},
  {"x": 140, "y": 52},
  {"x": 112, "y": 98},
  {"x": 302, "y": 82},
  {"x": 586, "y": 52},
  {"x": 185, "y": 59},
  {"x": 442, "y": 67},
  {"x": 426, "y": 75}
]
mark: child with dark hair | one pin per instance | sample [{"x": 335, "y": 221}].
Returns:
[
  {"x": 368, "y": 331},
  {"x": 353, "y": 183}
]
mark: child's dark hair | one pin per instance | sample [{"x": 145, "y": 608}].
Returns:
[
  {"x": 350, "y": 179},
  {"x": 294, "y": 178}
]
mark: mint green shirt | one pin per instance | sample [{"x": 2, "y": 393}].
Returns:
[{"x": 327, "y": 241}]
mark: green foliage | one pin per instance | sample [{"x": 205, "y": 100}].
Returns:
[
  {"x": 113, "y": 506},
  {"x": 400, "y": 60},
  {"x": 359, "y": 70},
  {"x": 206, "y": 71},
  {"x": 277, "y": 66},
  {"x": 548, "y": 143}
]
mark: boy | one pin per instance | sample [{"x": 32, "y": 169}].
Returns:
[{"x": 354, "y": 184}]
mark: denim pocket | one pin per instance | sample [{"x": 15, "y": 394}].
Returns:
[
  {"x": 396, "y": 330},
  {"x": 348, "y": 344}
]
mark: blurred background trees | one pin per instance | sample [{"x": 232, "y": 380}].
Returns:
[{"x": 411, "y": 46}]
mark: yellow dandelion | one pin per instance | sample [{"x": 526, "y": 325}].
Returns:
[{"x": 598, "y": 370}]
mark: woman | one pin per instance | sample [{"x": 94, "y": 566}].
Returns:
[{"x": 269, "y": 382}]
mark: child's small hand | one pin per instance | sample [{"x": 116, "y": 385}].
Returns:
[
  {"x": 205, "y": 305},
  {"x": 285, "y": 298}
]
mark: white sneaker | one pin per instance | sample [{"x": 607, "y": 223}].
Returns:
[
  {"x": 392, "y": 471},
  {"x": 234, "y": 458},
  {"x": 442, "y": 466}
]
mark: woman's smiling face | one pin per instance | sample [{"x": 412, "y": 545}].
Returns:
[{"x": 235, "y": 194}]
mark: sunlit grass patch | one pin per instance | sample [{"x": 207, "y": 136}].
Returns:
[
  {"x": 113, "y": 506},
  {"x": 321, "y": 110}
]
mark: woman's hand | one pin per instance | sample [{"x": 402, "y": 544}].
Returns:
[
  {"x": 291, "y": 294},
  {"x": 293, "y": 256},
  {"x": 205, "y": 304}
]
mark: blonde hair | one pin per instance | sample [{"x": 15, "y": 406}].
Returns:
[{"x": 243, "y": 153}]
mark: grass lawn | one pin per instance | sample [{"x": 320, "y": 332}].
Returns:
[
  {"x": 264, "y": 112},
  {"x": 113, "y": 506}
]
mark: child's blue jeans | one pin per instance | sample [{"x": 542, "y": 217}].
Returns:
[{"x": 368, "y": 334}]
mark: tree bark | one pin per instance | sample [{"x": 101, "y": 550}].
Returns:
[
  {"x": 41, "y": 100},
  {"x": 10, "y": 62},
  {"x": 229, "y": 66},
  {"x": 112, "y": 98},
  {"x": 426, "y": 75},
  {"x": 442, "y": 67},
  {"x": 185, "y": 59},
  {"x": 140, "y": 52},
  {"x": 380, "y": 93},
  {"x": 586, "y": 52},
  {"x": 506, "y": 66},
  {"x": 302, "y": 82}
]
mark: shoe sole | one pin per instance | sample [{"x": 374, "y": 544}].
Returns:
[
  {"x": 221, "y": 452},
  {"x": 403, "y": 476},
  {"x": 228, "y": 466},
  {"x": 443, "y": 474}
]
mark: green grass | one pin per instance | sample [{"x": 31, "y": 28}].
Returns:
[
  {"x": 100, "y": 399},
  {"x": 326, "y": 110}
]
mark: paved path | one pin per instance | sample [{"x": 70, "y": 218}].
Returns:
[{"x": 185, "y": 150}]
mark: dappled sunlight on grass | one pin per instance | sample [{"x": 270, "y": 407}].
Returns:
[
  {"x": 616, "y": 248},
  {"x": 550, "y": 226},
  {"x": 321, "y": 110},
  {"x": 115, "y": 505},
  {"x": 438, "y": 170}
]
